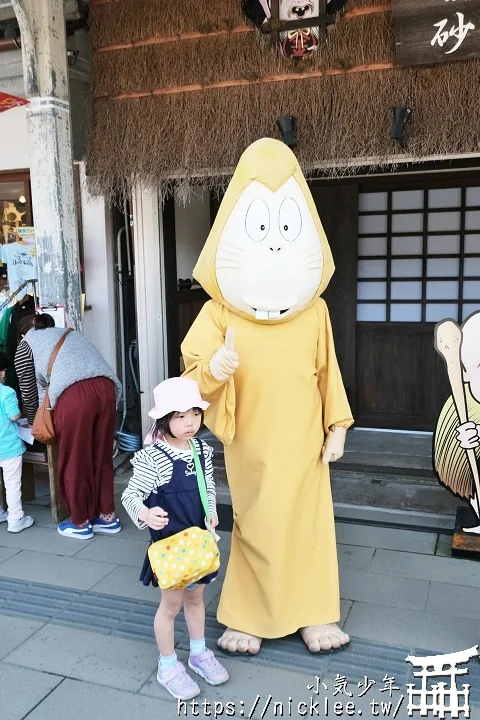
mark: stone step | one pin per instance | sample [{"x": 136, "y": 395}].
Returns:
[{"x": 403, "y": 454}]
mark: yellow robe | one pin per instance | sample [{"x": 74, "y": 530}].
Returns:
[{"x": 272, "y": 415}]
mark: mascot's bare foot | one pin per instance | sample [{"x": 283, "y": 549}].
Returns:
[
  {"x": 236, "y": 641},
  {"x": 323, "y": 637}
]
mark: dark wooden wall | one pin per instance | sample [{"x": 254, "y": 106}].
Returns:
[{"x": 401, "y": 380}]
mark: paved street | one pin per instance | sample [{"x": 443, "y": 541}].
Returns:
[{"x": 76, "y": 627}]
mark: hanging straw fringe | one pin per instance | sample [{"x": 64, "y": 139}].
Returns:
[{"x": 191, "y": 133}]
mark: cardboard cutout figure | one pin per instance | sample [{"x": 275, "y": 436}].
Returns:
[
  {"x": 457, "y": 435},
  {"x": 263, "y": 355}
]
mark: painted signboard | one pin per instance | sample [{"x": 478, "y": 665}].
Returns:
[{"x": 434, "y": 31}]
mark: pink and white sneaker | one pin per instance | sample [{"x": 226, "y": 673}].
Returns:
[
  {"x": 178, "y": 682},
  {"x": 208, "y": 667}
]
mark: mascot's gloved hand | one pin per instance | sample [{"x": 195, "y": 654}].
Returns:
[
  {"x": 334, "y": 445},
  {"x": 225, "y": 361}
]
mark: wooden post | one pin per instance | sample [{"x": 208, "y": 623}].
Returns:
[
  {"x": 45, "y": 70},
  {"x": 59, "y": 511},
  {"x": 3, "y": 499},
  {"x": 275, "y": 18}
]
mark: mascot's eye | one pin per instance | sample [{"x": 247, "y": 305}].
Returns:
[
  {"x": 257, "y": 220},
  {"x": 290, "y": 220}
]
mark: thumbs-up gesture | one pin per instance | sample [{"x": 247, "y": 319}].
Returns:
[{"x": 225, "y": 361}]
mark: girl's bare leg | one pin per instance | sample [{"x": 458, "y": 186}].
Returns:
[
  {"x": 164, "y": 622},
  {"x": 194, "y": 609}
]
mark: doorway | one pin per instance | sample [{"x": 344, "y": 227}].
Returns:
[{"x": 185, "y": 230}]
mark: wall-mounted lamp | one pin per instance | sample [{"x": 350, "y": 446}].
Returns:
[
  {"x": 287, "y": 125},
  {"x": 401, "y": 116}
]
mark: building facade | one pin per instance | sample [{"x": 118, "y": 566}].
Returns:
[{"x": 179, "y": 92}]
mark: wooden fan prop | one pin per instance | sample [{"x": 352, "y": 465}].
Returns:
[
  {"x": 297, "y": 26},
  {"x": 448, "y": 342}
]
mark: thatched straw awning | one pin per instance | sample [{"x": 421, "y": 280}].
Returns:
[{"x": 181, "y": 89}]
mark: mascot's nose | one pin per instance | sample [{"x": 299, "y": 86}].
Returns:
[{"x": 275, "y": 247}]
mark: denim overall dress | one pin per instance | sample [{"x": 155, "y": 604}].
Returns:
[{"x": 180, "y": 498}]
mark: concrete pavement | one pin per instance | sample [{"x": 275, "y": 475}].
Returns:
[{"x": 76, "y": 631}]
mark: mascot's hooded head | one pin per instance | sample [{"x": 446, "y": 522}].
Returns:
[{"x": 267, "y": 256}]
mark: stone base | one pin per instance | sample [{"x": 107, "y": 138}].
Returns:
[{"x": 465, "y": 544}]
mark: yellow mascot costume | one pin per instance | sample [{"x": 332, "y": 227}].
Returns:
[{"x": 263, "y": 355}]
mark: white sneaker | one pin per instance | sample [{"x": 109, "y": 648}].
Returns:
[
  {"x": 3, "y": 516},
  {"x": 22, "y": 524}
]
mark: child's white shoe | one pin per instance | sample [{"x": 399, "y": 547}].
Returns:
[
  {"x": 3, "y": 516},
  {"x": 25, "y": 522},
  {"x": 178, "y": 682}
]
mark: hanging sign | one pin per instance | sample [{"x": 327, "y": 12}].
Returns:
[
  {"x": 7, "y": 102},
  {"x": 295, "y": 25},
  {"x": 57, "y": 312},
  {"x": 436, "y": 31}
]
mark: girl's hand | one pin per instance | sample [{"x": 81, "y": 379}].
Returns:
[
  {"x": 155, "y": 517},
  {"x": 213, "y": 521}
]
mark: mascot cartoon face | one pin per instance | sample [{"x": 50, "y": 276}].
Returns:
[
  {"x": 267, "y": 256},
  {"x": 269, "y": 259}
]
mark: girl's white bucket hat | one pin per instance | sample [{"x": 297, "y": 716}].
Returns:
[{"x": 176, "y": 395}]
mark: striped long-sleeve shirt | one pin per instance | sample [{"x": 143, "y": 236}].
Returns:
[
  {"x": 152, "y": 469},
  {"x": 27, "y": 380}
]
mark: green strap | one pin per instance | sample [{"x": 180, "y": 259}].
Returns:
[{"x": 202, "y": 488}]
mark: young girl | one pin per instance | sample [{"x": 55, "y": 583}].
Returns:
[
  {"x": 163, "y": 495},
  {"x": 11, "y": 451}
]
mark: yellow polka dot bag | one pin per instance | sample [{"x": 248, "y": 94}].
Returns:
[{"x": 189, "y": 555}]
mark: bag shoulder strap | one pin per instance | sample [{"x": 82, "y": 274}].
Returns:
[
  {"x": 202, "y": 485},
  {"x": 56, "y": 349}
]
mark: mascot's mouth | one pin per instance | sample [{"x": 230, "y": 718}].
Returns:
[
  {"x": 299, "y": 11},
  {"x": 268, "y": 314}
]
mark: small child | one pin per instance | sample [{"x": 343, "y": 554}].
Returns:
[
  {"x": 163, "y": 495},
  {"x": 11, "y": 451}
]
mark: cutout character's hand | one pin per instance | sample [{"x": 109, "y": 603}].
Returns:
[{"x": 468, "y": 435}]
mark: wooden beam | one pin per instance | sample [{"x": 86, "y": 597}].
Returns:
[
  {"x": 239, "y": 29},
  {"x": 286, "y": 25},
  {"x": 236, "y": 83}
]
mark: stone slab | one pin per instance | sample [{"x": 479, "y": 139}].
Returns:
[
  {"x": 13, "y": 632},
  {"x": 398, "y": 626},
  {"x": 55, "y": 569},
  {"x": 91, "y": 657},
  {"x": 410, "y": 518},
  {"x": 41, "y": 515},
  {"x": 42, "y": 540},
  {"x": 356, "y": 558},
  {"x": 123, "y": 582},
  {"x": 444, "y": 545},
  {"x": 455, "y": 600},
  {"x": 6, "y": 553},
  {"x": 392, "y": 492},
  {"x": 247, "y": 681},
  {"x": 425, "y": 567},
  {"x": 116, "y": 550},
  {"x": 71, "y": 696},
  {"x": 385, "y": 538},
  {"x": 21, "y": 690},
  {"x": 383, "y": 589}
]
